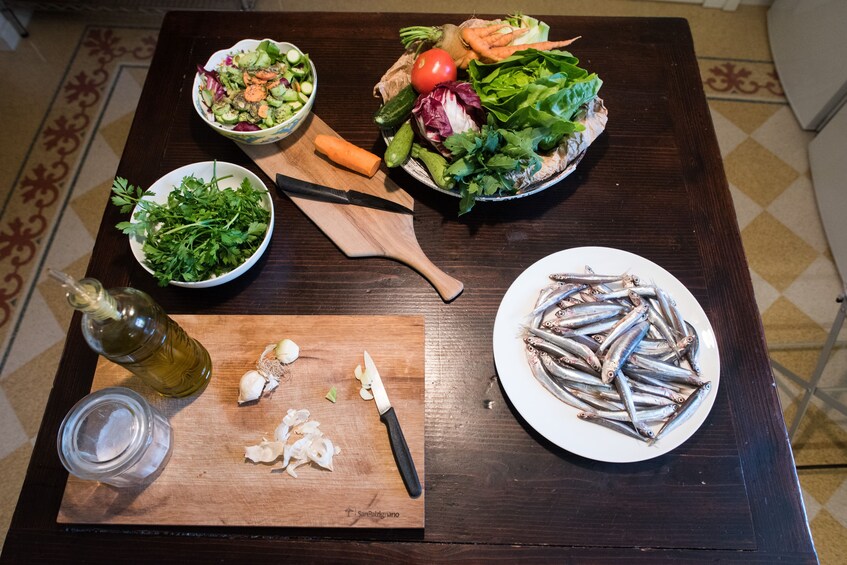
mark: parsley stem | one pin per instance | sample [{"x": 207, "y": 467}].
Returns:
[
  {"x": 229, "y": 223},
  {"x": 202, "y": 223}
]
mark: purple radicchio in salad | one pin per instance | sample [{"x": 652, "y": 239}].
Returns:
[
  {"x": 452, "y": 107},
  {"x": 212, "y": 91}
]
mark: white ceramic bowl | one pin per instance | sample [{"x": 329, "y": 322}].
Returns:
[
  {"x": 260, "y": 137},
  {"x": 204, "y": 170}
]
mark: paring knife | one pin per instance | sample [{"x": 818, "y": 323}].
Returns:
[
  {"x": 314, "y": 191},
  {"x": 395, "y": 435}
]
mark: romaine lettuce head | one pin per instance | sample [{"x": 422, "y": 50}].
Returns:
[{"x": 535, "y": 89}]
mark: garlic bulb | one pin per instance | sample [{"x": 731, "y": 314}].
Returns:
[
  {"x": 287, "y": 351},
  {"x": 251, "y": 386}
]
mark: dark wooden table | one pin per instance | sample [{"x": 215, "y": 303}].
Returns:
[{"x": 653, "y": 184}]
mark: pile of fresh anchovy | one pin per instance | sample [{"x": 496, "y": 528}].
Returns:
[{"x": 617, "y": 350}]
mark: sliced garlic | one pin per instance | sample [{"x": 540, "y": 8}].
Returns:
[
  {"x": 251, "y": 386},
  {"x": 287, "y": 351}
]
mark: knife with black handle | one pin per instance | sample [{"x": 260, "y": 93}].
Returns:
[
  {"x": 402, "y": 455},
  {"x": 306, "y": 189}
]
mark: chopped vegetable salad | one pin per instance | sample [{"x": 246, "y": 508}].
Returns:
[{"x": 257, "y": 89}]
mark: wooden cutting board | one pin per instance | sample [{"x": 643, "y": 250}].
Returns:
[
  {"x": 356, "y": 230},
  {"x": 209, "y": 482}
]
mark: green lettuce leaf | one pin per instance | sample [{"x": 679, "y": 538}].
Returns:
[{"x": 535, "y": 89}]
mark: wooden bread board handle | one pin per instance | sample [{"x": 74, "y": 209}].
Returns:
[{"x": 357, "y": 231}]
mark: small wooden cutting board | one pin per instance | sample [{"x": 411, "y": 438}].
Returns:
[
  {"x": 209, "y": 482},
  {"x": 356, "y": 230}
]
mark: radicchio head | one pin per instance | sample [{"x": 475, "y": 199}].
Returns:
[{"x": 452, "y": 107}]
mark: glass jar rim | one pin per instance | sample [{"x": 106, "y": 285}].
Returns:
[{"x": 140, "y": 440}]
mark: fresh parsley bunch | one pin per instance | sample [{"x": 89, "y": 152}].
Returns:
[
  {"x": 486, "y": 161},
  {"x": 201, "y": 232}
]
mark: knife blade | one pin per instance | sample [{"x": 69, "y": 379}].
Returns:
[
  {"x": 306, "y": 189},
  {"x": 402, "y": 455}
]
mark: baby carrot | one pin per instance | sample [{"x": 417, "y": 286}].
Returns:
[{"x": 348, "y": 155}]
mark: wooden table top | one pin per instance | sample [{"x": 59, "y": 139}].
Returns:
[{"x": 496, "y": 490}]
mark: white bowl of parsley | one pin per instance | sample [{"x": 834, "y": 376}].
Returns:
[{"x": 199, "y": 226}]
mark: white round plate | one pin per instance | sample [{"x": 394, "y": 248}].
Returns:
[
  {"x": 554, "y": 419},
  {"x": 205, "y": 170}
]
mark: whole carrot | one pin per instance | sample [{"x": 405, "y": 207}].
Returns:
[
  {"x": 507, "y": 38},
  {"x": 499, "y": 53},
  {"x": 348, "y": 155}
]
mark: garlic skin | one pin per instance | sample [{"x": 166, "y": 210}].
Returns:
[
  {"x": 251, "y": 386},
  {"x": 287, "y": 351},
  {"x": 311, "y": 444},
  {"x": 265, "y": 452}
]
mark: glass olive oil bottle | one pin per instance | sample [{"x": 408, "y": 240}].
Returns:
[{"x": 127, "y": 327}]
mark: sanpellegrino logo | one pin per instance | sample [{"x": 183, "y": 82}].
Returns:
[{"x": 380, "y": 514}]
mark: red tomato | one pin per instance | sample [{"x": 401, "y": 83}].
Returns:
[{"x": 430, "y": 68}]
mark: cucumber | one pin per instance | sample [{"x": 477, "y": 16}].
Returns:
[
  {"x": 227, "y": 118},
  {"x": 398, "y": 150},
  {"x": 397, "y": 110},
  {"x": 435, "y": 164},
  {"x": 293, "y": 56},
  {"x": 290, "y": 95}
]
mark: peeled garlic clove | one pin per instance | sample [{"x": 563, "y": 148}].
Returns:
[
  {"x": 287, "y": 351},
  {"x": 251, "y": 386}
]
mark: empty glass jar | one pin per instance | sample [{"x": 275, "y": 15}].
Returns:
[{"x": 114, "y": 436}]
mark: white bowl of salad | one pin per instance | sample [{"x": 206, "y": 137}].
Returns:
[{"x": 257, "y": 91}]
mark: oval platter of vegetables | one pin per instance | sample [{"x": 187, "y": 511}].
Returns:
[{"x": 488, "y": 109}]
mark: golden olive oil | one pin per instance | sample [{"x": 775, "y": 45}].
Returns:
[{"x": 127, "y": 327}]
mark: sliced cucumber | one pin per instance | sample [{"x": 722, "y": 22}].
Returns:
[
  {"x": 303, "y": 97},
  {"x": 306, "y": 87},
  {"x": 292, "y": 56},
  {"x": 228, "y": 118},
  {"x": 290, "y": 95}
]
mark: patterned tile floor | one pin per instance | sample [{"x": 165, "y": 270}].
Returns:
[{"x": 54, "y": 190}]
